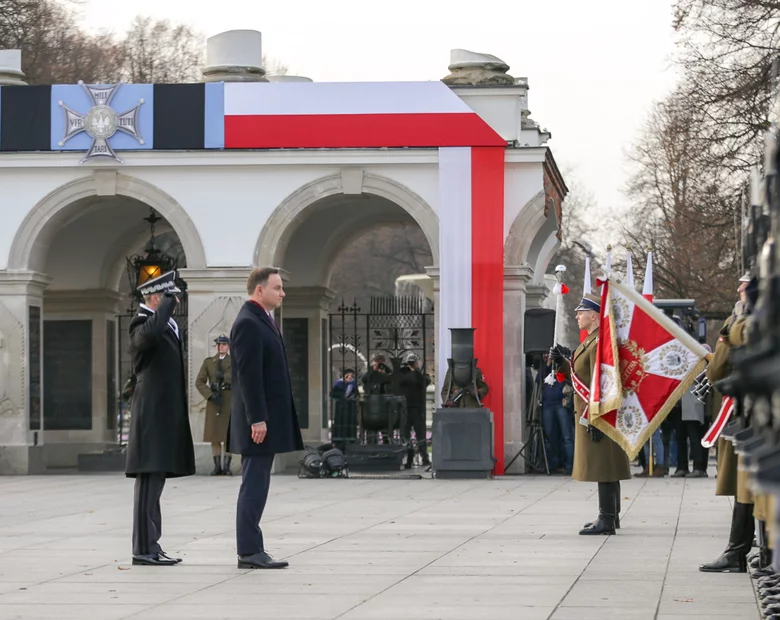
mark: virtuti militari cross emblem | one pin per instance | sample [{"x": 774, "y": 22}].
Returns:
[{"x": 101, "y": 121}]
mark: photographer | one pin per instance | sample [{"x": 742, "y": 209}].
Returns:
[
  {"x": 214, "y": 384},
  {"x": 344, "y": 394},
  {"x": 378, "y": 378},
  {"x": 412, "y": 384}
]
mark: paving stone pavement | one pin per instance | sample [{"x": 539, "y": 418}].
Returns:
[{"x": 370, "y": 550}]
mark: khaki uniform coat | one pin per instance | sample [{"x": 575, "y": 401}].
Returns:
[
  {"x": 602, "y": 461},
  {"x": 467, "y": 401},
  {"x": 730, "y": 481},
  {"x": 217, "y": 416}
]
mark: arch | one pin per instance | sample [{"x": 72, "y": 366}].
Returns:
[
  {"x": 523, "y": 231},
  {"x": 544, "y": 256},
  {"x": 285, "y": 219},
  {"x": 41, "y": 224}
]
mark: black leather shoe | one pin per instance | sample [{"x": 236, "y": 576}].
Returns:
[
  {"x": 698, "y": 473},
  {"x": 154, "y": 559},
  {"x": 680, "y": 473},
  {"x": 729, "y": 562},
  {"x": 260, "y": 560},
  {"x": 165, "y": 556}
]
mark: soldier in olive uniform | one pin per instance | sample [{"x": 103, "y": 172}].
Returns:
[
  {"x": 596, "y": 457},
  {"x": 466, "y": 400},
  {"x": 214, "y": 383},
  {"x": 730, "y": 482}
]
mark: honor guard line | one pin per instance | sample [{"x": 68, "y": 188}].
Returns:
[{"x": 241, "y": 171}]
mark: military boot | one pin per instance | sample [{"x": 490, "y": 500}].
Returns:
[
  {"x": 605, "y": 524},
  {"x": 734, "y": 558},
  {"x": 226, "y": 467},
  {"x": 217, "y": 471},
  {"x": 617, "y": 510}
]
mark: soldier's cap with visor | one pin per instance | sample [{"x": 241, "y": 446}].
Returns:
[
  {"x": 746, "y": 278},
  {"x": 221, "y": 339},
  {"x": 161, "y": 284},
  {"x": 589, "y": 302}
]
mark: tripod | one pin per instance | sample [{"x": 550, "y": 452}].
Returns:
[{"x": 535, "y": 433}]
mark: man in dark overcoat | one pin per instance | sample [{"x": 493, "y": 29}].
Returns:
[
  {"x": 160, "y": 444},
  {"x": 263, "y": 419}
]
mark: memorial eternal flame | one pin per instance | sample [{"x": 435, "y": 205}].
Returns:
[{"x": 241, "y": 171}]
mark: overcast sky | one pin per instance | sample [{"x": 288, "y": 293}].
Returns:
[{"x": 594, "y": 67}]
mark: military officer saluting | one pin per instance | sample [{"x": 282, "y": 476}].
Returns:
[
  {"x": 160, "y": 445},
  {"x": 214, "y": 382},
  {"x": 596, "y": 457}
]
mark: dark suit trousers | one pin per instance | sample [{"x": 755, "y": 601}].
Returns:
[
  {"x": 255, "y": 482},
  {"x": 147, "y": 518}
]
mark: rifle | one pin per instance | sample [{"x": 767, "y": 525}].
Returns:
[{"x": 755, "y": 381}]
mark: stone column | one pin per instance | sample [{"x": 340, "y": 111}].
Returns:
[
  {"x": 536, "y": 294},
  {"x": 439, "y": 373},
  {"x": 21, "y": 372},
  {"x": 305, "y": 316},
  {"x": 516, "y": 279},
  {"x": 215, "y": 295}
]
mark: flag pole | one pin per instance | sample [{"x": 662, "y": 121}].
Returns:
[{"x": 647, "y": 293}]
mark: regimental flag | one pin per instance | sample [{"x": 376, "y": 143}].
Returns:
[{"x": 644, "y": 364}]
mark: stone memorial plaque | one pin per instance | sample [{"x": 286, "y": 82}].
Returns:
[
  {"x": 67, "y": 375},
  {"x": 296, "y": 341}
]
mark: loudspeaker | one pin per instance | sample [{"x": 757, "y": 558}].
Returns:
[
  {"x": 462, "y": 358},
  {"x": 539, "y": 331}
]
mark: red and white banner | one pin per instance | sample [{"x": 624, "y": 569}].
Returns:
[
  {"x": 471, "y": 187},
  {"x": 712, "y": 435},
  {"x": 644, "y": 364},
  {"x": 274, "y": 115},
  {"x": 471, "y": 267}
]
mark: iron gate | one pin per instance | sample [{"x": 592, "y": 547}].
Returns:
[{"x": 393, "y": 327}]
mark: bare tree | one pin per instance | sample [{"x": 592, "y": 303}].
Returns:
[
  {"x": 370, "y": 265},
  {"x": 683, "y": 207},
  {"x": 274, "y": 66},
  {"x": 161, "y": 52},
  {"x": 728, "y": 49},
  {"x": 54, "y": 49}
]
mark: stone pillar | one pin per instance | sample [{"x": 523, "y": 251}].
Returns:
[
  {"x": 305, "y": 316},
  {"x": 516, "y": 279},
  {"x": 21, "y": 372},
  {"x": 99, "y": 307},
  {"x": 215, "y": 295},
  {"x": 438, "y": 373},
  {"x": 536, "y": 294}
]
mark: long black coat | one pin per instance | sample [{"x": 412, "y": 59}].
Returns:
[
  {"x": 160, "y": 435},
  {"x": 262, "y": 391}
]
